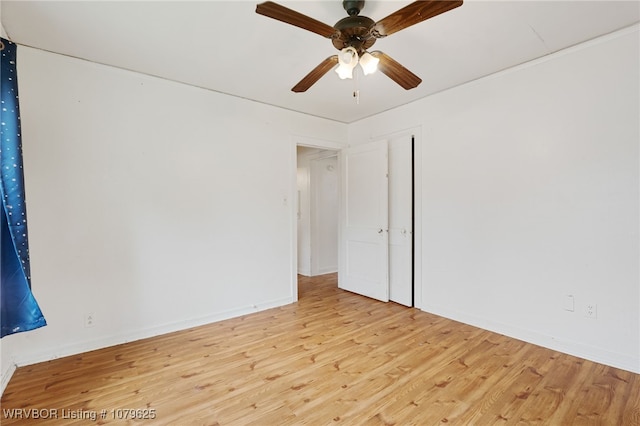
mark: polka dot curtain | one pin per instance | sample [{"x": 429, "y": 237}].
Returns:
[{"x": 19, "y": 310}]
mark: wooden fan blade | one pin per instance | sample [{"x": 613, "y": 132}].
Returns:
[
  {"x": 315, "y": 74},
  {"x": 396, "y": 72},
  {"x": 412, "y": 14},
  {"x": 284, "y": 14}
]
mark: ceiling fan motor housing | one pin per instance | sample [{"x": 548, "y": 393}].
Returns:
[
  {"x": 353, "y": 7},
  {"x": 355, "y": 31}
]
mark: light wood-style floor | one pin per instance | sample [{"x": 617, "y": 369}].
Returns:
[{"x": 332, "y": 358}]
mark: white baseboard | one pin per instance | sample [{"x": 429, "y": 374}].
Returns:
[
  {"x": 327, "y": 270},
  {"x": 580, "y": 350},
  {"x": 304, "y": 272},
  {"x": 131, "y": 336},
  {"x": 6, "y": 376}
]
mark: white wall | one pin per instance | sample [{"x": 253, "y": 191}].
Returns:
[
  {"x": 324, "y": 212},
  {"x": 318, "y": 211},
  {"x": 530, "y": 193},
  {"x": 3, "y": 33},
  {"x": 154, "y": 205}
]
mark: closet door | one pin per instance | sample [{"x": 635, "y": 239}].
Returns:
[
  {"x": 401, "y": 219},
  {"x": 364, "y": 248}
]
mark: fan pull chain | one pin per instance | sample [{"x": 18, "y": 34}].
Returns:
[{"x": 356, "y": 91}]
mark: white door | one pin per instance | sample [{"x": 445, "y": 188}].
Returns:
[
  {"x": 401, "y": 220},
  {"x": 364, "y": 250}
]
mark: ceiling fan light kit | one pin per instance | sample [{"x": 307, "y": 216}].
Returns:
[
  {"x": 348, "y": 59},
  {"x": 369, "y": 63},
  {"x": 355, "y": 34}
]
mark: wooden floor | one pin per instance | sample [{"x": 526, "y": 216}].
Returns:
[{"x": 332, "y": 358}]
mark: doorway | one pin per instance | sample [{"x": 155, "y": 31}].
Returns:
[{"x": 317, "y": 176}]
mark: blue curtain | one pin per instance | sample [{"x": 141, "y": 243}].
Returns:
[{"x": 19, "y": 310}]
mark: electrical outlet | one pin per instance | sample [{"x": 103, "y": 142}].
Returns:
[
  {"x": 591, "y": 310},
  {"x": 89, "y": 319}
]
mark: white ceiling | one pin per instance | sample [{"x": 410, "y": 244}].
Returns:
[{"x": 226, "y": 47}]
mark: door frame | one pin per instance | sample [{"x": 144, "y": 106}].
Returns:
[{"x": 297, "y": 140}]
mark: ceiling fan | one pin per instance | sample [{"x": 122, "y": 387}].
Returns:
[{"x": 355, "y": 34}]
